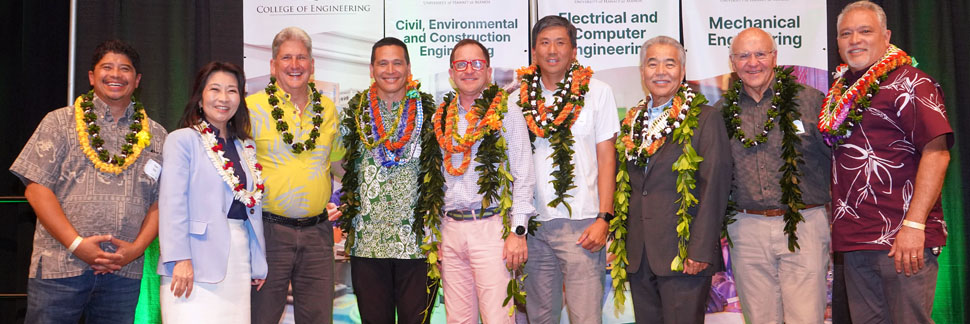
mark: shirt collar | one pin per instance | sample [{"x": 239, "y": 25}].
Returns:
[
  {"x": 285, "y": 96},
  {"x": 101, "y": 109},
  {"x": 460, "y": 107},
  {"x": 653, "y": 112},
  {"x": 768, "y": 93},
  {"x": 215, "y": 131}
]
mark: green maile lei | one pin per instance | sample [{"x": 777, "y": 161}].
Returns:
[
  {"x": 283, "y": 127},
  {"x": 431, "y": 181},
  {"x": 494, "y": 182},
  {"x": 685, "y": 166},
  {"x": 783, "y": 108}
]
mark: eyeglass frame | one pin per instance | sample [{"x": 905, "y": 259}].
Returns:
[
  {"x": 746, "y": 55},
  {"x": 468, "y": 64}
]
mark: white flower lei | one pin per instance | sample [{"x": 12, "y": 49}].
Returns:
[{"x": 217, "y": 156}]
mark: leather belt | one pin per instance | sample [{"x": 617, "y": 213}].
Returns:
[
  {"x": 465, "y": 215},
  {"x": 294, "y": 222},
  {"x": 771, "y": 212}
]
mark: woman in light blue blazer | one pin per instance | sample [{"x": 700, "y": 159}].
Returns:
[{"x": 210, "y": 226}]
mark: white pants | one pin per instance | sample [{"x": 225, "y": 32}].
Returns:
[
  {"x": 223, "y": 302},
  {"x": 774, "y": 284}
]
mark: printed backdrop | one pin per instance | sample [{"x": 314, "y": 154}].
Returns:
[{"x": 610, "y": 33}]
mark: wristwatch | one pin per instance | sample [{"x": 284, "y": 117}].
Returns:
[
  {"x": 605, "y": 216},
  {"x": 520, "y": 230}
]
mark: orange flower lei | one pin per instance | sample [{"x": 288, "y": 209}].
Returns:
[
  {"x": 478, "y": 126},
  {"x": 837, "y": 115},
  {"x": 385, "y": 137},
  {"x": 537, "y": 114}
]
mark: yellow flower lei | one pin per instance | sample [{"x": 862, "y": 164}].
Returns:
[{"x": 107, "y": 164}]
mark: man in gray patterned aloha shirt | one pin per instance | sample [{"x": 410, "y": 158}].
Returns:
[{"x": 96, "y": 217}]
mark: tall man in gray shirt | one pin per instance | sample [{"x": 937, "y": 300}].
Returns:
[{"x": 770, "y": 119}]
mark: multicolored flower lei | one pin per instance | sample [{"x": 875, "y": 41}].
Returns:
[
  {"x": 843, "y": 106},
  {"x": 371, "y": 125},
  {"x": 283, "y": 127},
  {"x": 684, "y": 102},
  {"x": 554, "y": 122},
  {"x": 216, "y": 155},
  {"x": 481, "y": 121},
  {"x": 641, "y": 138},
  {"x": 137, "y": 139}
]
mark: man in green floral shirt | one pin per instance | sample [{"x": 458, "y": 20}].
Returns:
[{"x": 390, "y": 146}]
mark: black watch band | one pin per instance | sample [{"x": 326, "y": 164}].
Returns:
[{"x": 605, "y": 216}]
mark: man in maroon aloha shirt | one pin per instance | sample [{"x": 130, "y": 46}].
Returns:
[{"x": 886, "y": 180}]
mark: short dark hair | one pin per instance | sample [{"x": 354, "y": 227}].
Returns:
[
  {"x": 554, "y": 21},
  {"x": 239, "y": 125},
  {"x": 115, "y": 46},
  {"x": 389, "y": 41},
  {"x": 469, "y": 41}
]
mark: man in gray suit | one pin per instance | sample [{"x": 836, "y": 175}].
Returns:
[{"x": 669, "y": 287}]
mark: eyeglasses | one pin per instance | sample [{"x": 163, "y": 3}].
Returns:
[
  {"x": 760, "y": 56},
  {"x": 460, "y": 66}
]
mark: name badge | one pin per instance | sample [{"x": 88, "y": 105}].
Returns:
[
  {"x": 799, "y": 128},
  {"x": 153, "y": 169}
]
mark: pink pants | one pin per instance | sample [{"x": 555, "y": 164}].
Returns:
[{"x": 473, "y": 272}]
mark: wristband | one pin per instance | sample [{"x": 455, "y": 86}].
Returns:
[
  {"x": 909, "y": 223},
  {"x": 77, "y": 241}
]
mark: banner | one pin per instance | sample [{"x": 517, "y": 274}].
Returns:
[
  {"x": 432, "y": 28},
  {"x": 798, "y": 28},
  {"x": 342, "y": 31},
  {"x": 609, "y": 36}
]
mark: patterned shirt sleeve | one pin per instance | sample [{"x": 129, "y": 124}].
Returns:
[
  {"x": 40, "y": 160},
  {"x": 929, "y": 114}
]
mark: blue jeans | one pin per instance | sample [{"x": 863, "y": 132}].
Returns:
[{"x": 104, "y": 298}]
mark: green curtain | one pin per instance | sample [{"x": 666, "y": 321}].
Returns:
[{"x": 147, "y": 311}]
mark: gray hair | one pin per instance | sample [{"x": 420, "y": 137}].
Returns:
[
  {"x": 292, "y": 33},
  {"x": 866, "y": 5},
  {"x": 663, "y": 40}
]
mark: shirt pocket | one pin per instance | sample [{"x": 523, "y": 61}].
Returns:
[{"x": 147, "y": 185}]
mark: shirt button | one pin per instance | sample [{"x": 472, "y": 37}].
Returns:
[{"x": 252, "y": 211}]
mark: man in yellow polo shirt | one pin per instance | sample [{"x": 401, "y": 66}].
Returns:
[{"x": 295, "y": 127}]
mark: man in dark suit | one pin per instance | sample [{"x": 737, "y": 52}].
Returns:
[{"x": 667, "y": 286}]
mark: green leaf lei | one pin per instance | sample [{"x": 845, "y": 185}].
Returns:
[
  {"x": 685, "y": 166},
  {"x": 783, "y": 106},
  {"x": 283, "y": 127}
]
